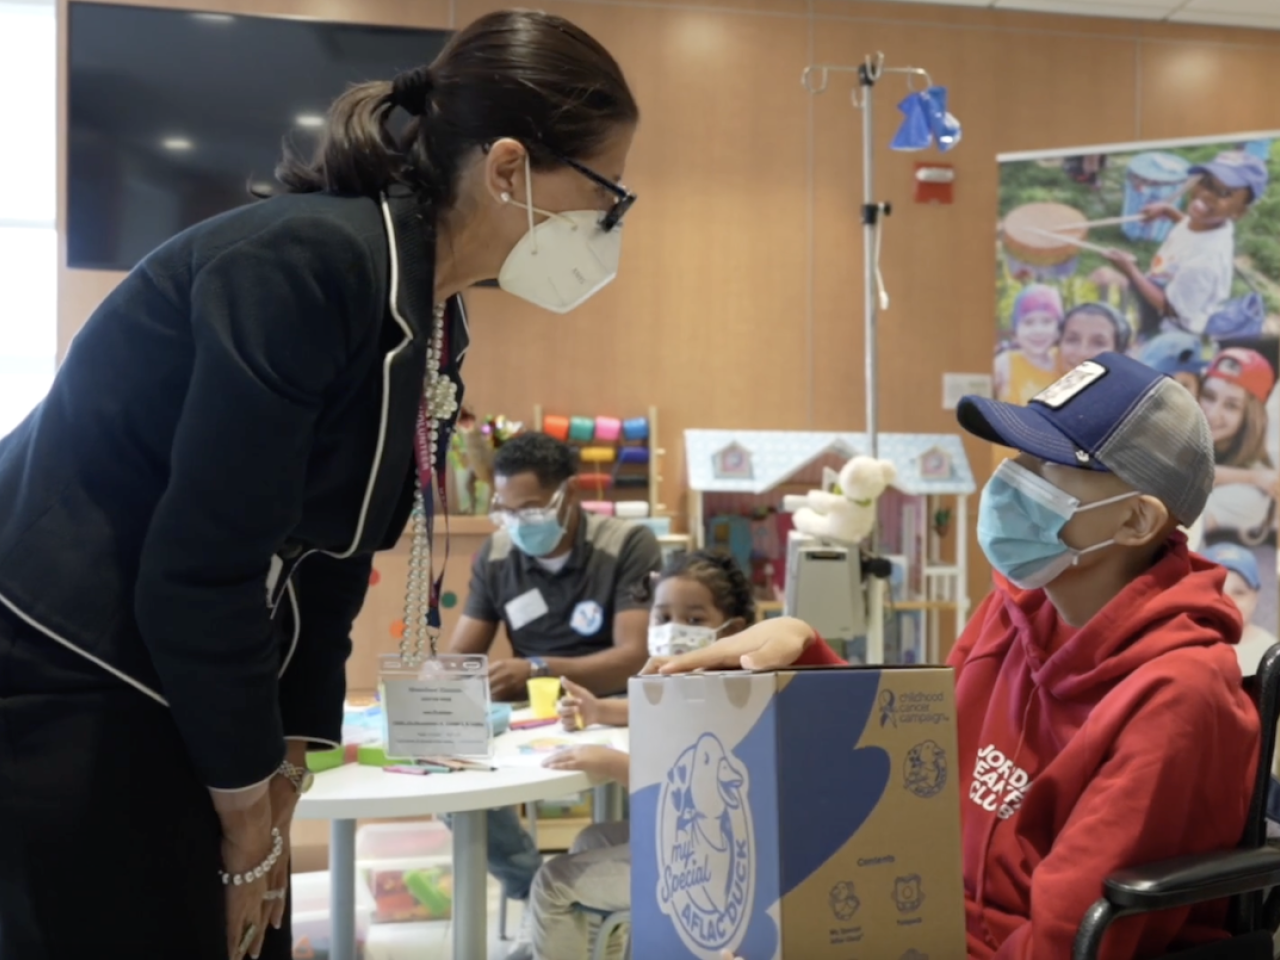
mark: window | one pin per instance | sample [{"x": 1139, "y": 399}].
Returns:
[{"x": 28, "y": 199}]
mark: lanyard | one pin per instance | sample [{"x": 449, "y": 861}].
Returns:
[{"x": 431, "y": 480}]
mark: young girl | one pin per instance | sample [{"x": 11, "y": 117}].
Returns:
[
  {"x": 1234, "y": 397},
  {"x": 1032, "y": 364},
  {"x": 1088, "y": 330},
  {"x": 698, "y": 598}
]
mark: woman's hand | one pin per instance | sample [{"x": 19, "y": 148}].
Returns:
[
  {"x": 768, "y": 645},
  {"x": 284, "y": 800},
  {"x": 577, "y": 704},
  {"x": 594, "y": 759},
  {"x": 246, "y": 818}
]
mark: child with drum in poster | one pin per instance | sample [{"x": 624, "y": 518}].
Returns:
[{"x": 1191, "y": 274}]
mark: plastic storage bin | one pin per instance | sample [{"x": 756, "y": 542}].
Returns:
[
  {"x": 407, "y": 869},
  {"x": 312, "y": 928}
]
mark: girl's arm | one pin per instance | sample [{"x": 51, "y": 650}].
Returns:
[{"x": 614, "y": 712}]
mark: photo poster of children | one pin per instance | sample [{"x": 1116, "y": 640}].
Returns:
[{"x": 1168, "y": 252}]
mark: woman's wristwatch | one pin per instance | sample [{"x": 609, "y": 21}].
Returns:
[
  {"x": 300, "y": 777},
  {"x": 538, "y": 667}
]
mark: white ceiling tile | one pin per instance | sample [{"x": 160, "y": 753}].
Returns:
[
  {"x": 1264, "y": 14},
  {"x": 1224, "y": 19},
  {"x": 1091, "y": 7},
  {"x": 1132, "y": 10},
  {"x": 1270, "y": 8}
]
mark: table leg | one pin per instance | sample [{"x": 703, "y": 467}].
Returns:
[
  {"x": 342, "y": 888},
  {"x": 470, "y": 886},
  {"x": 600, "y": 804},
  {"x": 606, "y": 803}
]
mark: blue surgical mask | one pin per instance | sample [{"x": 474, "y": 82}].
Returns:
[
  {"x": 1020, "y": 521},
  {"x": 534, "y": 530},
  {"x": 538, "y": 537}
]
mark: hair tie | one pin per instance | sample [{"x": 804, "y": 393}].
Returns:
[{"x": 411, "y": 90}]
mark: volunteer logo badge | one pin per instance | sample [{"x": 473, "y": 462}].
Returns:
[
  {"x": 925, "y": 770},
  {"x": 587, "y": 618},
  {"x": 705, "y": 842}
]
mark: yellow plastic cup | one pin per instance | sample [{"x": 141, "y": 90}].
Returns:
[{"x": 544, "y": 692}]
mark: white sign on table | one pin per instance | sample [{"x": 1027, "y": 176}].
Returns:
[{"x": 438, "y": 709}]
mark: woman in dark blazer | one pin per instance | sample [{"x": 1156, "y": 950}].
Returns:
[{"x": 188, "y": 518}]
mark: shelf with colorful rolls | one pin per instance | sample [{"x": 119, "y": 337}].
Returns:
[{"x": 619, "y": 461}]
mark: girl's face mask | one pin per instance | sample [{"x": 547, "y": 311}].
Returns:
[
  {"x": 1020, "y": 520},
  {"x": 672, "y": 639}
]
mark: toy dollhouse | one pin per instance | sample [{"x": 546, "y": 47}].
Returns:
[{"x": 737, "y": 481}]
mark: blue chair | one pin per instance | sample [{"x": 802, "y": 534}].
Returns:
[{"x": 1247, "y": 875}]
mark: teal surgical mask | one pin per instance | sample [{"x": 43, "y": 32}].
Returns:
[
  {"x": 537, "y": 538},
  {"x": 1020, "y": 520},
  {"x": 535, "y": 531}
]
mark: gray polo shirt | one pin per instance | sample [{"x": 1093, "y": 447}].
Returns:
[{"x": 568, "y": 613}]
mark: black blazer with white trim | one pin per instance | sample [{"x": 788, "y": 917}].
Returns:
[{"x": 240, "y": 409}]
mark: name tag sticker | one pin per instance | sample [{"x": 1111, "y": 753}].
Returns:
[
  {"x": 1070, "y": 385},
  {"x": 438, "y": 709},
  {"x": 526, "y": 608}
]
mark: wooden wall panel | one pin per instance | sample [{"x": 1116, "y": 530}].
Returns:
[{"x": 739, "y": 302}]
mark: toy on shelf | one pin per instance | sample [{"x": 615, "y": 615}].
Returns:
[
  {"x": 847, "y": 512},
  {"x": 617, "y": 461},
  {"x": 738, "y": 480},
  {"x": 471, "y": 453}
]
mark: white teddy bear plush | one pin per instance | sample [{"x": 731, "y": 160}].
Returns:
[{"x": 847, "y": 514}]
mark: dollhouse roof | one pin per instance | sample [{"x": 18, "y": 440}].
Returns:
[{"x": 777, "y": 455}]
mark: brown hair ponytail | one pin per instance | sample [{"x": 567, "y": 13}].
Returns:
[{"x": 531, "y": 76}]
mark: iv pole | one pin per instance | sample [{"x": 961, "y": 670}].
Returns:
[{"x": 814, "y": 79}]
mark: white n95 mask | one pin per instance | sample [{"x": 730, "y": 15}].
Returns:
[{"x": 563, "y": 261}]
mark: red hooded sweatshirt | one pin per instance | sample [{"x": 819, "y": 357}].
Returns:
[{"x": 1086, "y": 751}]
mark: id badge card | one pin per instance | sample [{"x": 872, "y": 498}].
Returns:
[{"x": 440, "y": 708}]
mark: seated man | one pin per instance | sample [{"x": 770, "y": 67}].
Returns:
[
  {"x": 1102, "y": 719},
  {"x": 564, "y": 583}
]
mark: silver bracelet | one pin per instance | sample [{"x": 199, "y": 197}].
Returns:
[{"x": 261, "y": 870}]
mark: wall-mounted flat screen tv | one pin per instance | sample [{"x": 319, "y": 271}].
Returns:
[{"x": 173, "y": 115}]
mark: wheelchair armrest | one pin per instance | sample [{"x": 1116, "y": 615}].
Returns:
[{"x": 1183, "y": 881}]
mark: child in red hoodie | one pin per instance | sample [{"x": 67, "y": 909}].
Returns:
[{"x": 1102, "y": 721}]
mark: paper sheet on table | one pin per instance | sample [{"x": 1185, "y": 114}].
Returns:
[{"x": 531, "y": 752}]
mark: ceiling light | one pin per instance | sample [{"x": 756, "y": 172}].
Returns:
[
  {"x": 311, "y": 120},
  {"x": 176, "y": 143}
]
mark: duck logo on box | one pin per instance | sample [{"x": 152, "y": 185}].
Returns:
[{"x": 705, "y": 847}]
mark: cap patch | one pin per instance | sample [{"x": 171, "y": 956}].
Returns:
[{"x": 1071, "y": 384}]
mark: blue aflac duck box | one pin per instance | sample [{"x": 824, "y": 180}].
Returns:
[{"x": 798, "y": 815}]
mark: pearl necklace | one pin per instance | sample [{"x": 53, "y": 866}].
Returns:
[{"x": 440, "y": 403}]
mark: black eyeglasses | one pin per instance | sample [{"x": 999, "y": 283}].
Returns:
[{"x": 623, "y": 198}]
